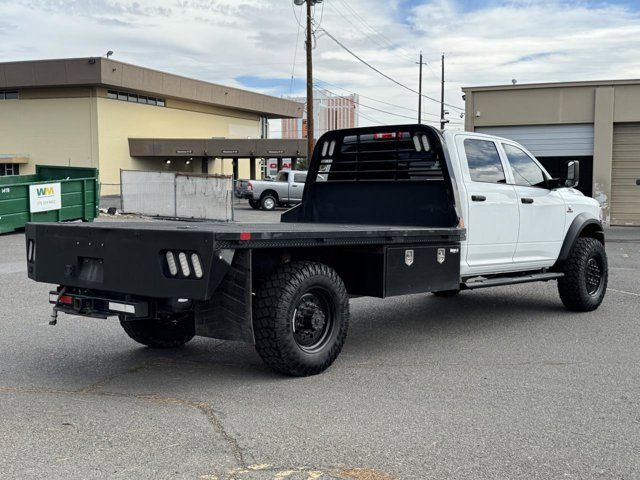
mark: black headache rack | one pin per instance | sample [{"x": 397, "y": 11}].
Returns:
[{"x": 390, "y": 175}]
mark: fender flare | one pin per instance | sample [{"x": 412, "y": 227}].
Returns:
[{"x": 583, "y": 225}]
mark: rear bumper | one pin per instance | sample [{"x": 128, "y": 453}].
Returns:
[{"x": 97, "y": 306}]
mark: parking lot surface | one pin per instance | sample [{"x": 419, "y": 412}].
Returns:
[{"x": 498, "y": 383}]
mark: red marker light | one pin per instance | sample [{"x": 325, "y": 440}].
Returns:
[
  {"x": 384, "y": 136},
  {"x": 66, "y": 300},
  {"x": 245, "y": 236}
]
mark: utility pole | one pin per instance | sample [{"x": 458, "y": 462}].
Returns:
[
  {"x": 442, "y": 120},
  {"x": 420, "y": 91},
  {"x": 310, "y": 126},
  {"x": 309, "y": 48}
]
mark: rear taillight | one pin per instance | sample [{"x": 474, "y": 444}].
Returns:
[
  {"x": 171, "y": 263},
  {"x": 249, "y": 186},
  {"x": 183, "y": 264},
  {"x": 197, "y": 266}
]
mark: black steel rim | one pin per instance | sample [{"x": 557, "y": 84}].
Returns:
[
  {"x": 313, "y": 320},
  {"x": 594, "y": 276}
]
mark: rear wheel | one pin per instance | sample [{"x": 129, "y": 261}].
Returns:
[
  {"x": 301, "y": 317},
  {"x": 255, "y": 204},
  {"x": 164, "y": 332},
  {"x": 268, "y": 202},
  {"x": 584, "y": 284}
]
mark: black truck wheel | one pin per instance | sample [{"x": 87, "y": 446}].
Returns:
[
  {"x": 301, "y": 317},
  {"x": 169, "y": 332},
  {"x": 255, "y": 204},
  {"x": 585, "y": 278},
  {"x": 268, "y": 202}
]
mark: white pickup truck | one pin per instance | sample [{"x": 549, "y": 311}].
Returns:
[{"x": 386, "y": 211}]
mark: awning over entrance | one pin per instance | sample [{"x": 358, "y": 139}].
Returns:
[{"x": 217, "y": 148}]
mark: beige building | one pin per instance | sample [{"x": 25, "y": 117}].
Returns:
[
  {"x": 83, "y": 112},
  {"x": 596, "y": 122}
]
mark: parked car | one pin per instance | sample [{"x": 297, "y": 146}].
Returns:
[
  {"x": 286, "y": 189},
  {"x": 401, "y": 210}
]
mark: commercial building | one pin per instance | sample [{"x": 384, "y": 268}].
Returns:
[
  {"x": 595, "y": 122},
  {"x": 88, "y": 111},
  {"x": 330, "y": 112}
]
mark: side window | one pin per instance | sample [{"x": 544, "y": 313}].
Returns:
[
  {"x": 299, "y": 178},
  {"x": 282, "y": 177},
  {"x": 526, "y": 171},
  {"x": 484, "y": 161}
]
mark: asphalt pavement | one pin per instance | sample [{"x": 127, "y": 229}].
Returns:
[{"x": 494, "y": 384}]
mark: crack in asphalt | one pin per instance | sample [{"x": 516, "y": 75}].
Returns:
[{"x": 205, "y": 408}]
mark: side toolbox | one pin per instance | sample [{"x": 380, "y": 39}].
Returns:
[{"x": 421, "y": 269}]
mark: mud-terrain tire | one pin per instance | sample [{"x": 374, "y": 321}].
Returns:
[
  {"x": 584, "y": 284},
  {"x": 255, "y": 204},
  {"x": 300, "y": 318},
  {"x": 171, "y": 332}
]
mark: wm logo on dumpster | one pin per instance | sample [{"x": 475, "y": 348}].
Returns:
[{"x": 45, "y": 191}]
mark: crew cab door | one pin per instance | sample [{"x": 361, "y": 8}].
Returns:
[
  {"x": 296, "y": 186},
  {"x": 542, "y": 211},
  {"x": 492, "y": 209}
]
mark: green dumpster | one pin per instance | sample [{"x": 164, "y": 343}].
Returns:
[{"x": 53, "y": 194}]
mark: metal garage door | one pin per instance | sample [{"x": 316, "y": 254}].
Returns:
[
  {"x": 625, "y": 174},
  {"x": 549, "y": 140}
]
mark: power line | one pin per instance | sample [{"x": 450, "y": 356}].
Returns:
[
  {"x": 370, "y": 107},
  {"x": 295, "y": 57},
  {"x": 360, "y": 59},
  {"x": 383, "y": 45},
  {"x": 388, "y": 41},
  {"x": 375, "y": 99}
]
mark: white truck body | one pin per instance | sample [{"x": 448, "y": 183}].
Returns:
[{"x": 504, "y": 234}]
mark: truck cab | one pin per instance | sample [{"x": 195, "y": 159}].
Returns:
[{"x": 517, "y": 216}]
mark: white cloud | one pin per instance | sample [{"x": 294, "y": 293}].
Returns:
[{"x": 220, "y": 40}]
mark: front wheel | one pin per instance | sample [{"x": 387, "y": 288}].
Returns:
[
  {"x": 584, "y": 284},
  {"x": 164, "y": 332},
  {"x": 301, "y": 317}
]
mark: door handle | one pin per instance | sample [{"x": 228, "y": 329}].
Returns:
[
  {"x": 526, "y": 200},
  {"x": 478, "y": 198},
  {"x": 294, "y": 186}
]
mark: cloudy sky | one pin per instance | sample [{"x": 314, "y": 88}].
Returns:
[{"x": 253, "y": 43}]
